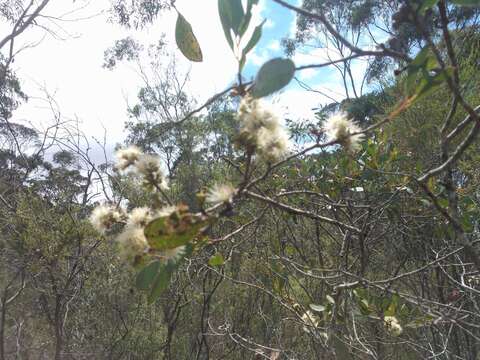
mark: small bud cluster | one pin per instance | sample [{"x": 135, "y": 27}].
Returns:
[
  {"x": 392, "y": 325},
  {"x": 261, "y": 130},
  {"x": 339, "y": 128},
  {"x": 146, "y": 165},
  {"x": 220, "y": 193}
]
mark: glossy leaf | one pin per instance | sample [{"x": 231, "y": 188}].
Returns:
[
  {"x": 273, "y": 76},
  {"x": 186, "y": 40},
  {"x": 147, "y": 275}
]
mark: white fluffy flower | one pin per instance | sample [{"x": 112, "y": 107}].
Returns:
[
  {"x": 104, "y": 216},
  {"x": 272, "y": 144},
  {"x": 260, "y": 127},
  {"x": 149, "y": 167},
  {"x": 127, "y": 157},
  {"x": 173, "y": 254},
  {"x": 392, "y": 325},
  {"x": 139, "y": 217},
  {"x": 132, "y": 242},
  {"x": 310, "y": 320},
  {"x": 220, "y": 193},
  {"x": 166, "y": 211},
  {"x": 339, "y": 128}
]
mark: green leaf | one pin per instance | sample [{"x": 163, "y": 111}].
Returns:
[
  {"x": 466, "y": 2},
  {"x": 161, "y": 281},
  {"x": 163, "y": 234},
  {"x": 257, "y": 34},
  {"x": 216, "y": 260},
  {"x": 423, "y": 60},
  {"x": 147, "y": 275},
  {"x": 231, "y": 16},
  {"x": 318, "y": 308},
  {"x": 364, "y": 307},
  {"x": 237, "y": 15},
  {"x": 392, "y": 307},
  {"x": 247, "y": 17},
  {"x": 427, "y": 4},
  {"x": 273, "y": 76},
  {"x": 225, "y": 19},
  {"x": 186, "y": 40},
  {"x": 428, "y": 83}
]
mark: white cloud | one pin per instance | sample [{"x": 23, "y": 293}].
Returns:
[{"x": 274, "y": 45}]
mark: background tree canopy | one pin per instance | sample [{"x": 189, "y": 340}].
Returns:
[{"x": 223, "y": 231}]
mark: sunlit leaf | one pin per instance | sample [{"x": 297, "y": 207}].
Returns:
[
  {"x": 330, "y": 299},
  {"x": 318, "y": 308},
  {"x": 186, "y": 40},
  {"x": 273, "y": 76}
]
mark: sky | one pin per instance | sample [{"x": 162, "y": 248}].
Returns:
[{"x": 68, "y": 66}]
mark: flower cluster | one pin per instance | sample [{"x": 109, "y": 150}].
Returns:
[
  {"x": 132, "y": 240},
  {"x": 392, "y": 325},
  {"x": 104, "y": 216},
  {"x": 128, "y": 157},
  {"x": 147, "y": 166},
  {"x": 261, "y": 130},
  {"x": 220, "y": 193},
  {"x": 339, "y": 128}
]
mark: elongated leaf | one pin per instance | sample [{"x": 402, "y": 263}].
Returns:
[
  {"x": 273, "y": 76},
  {"x": 147, "y": 275},
  {"x": 247, "y": 17},
  {"x": 186, "y": 40},
  {"x": 237, "y": 15},
  {"x": 318, "y": 308},
  {"x": 225, "y": 13},
  {"x": 257, "y": 34}
]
